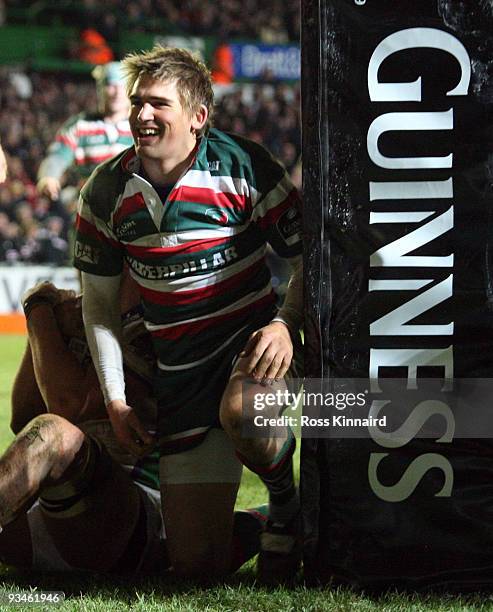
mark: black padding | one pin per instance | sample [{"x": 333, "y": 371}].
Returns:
[{"x": 351, "y": 532}]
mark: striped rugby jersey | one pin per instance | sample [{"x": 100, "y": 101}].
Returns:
[
  {"x": 199, "y": 257},
  {"x": 86, "y": 140}
]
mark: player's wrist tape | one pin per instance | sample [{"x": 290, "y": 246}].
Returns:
[
  {"x": 281, "y": 320},
  {"x": 32, "y": 301}
]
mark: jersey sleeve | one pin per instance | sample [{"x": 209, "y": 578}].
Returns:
[
  {"x": 96, "y": 249},
  {"x": 276, "y": 209},
  {"x": 61, "y": 152}
]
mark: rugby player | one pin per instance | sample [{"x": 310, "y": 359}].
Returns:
[
  {"x": 191, "y": 210},
  {"x": 70, "y": 498},
  {"x": 69, "y": 457},
  {"x": 88, "y": 139}
]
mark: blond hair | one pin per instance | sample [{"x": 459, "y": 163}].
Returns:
[{"x": 174, "y": 65}]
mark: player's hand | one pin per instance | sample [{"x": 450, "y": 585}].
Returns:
[
  {"x": 128, "y": 429},
  {"x": 48, "y": 293},
  {"x": 49, "y": 186},
  {"x": 268, "y": 353},
  {"x": 42, "y": 293}
]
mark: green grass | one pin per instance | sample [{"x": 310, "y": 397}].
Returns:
[
  {"x": 11, "y": 350},
  {"x": 238, "y": 594}
]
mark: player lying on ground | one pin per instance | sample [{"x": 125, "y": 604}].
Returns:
[
  {"x": 95, "y": 506},
  {"x": 191, "y": 210}
]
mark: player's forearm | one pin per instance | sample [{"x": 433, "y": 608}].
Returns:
[
  {"x": 59, "y": 375},
  {"x": 26, "y": 399},
  {"x": 53, "y": 166},
  {"x": 291, "y": 311},
  {"x": 100, "y": 307}
]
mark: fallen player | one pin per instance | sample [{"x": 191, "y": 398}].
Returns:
[{"x": 70, "y": 497}]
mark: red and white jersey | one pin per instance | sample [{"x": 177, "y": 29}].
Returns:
[{"x": 199, "y": 256}]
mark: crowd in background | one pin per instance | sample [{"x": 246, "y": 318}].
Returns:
[
  {"x": 34, "y": 229},
  {"x": 276, "y": 21}
]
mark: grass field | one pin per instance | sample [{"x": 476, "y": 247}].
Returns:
[{"x": 239, "y": 594}]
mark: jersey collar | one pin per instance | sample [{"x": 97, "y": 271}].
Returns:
[{"x": 130, "y": 161}]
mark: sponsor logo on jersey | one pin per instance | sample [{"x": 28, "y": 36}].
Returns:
[
  {"x": 190, "y": 267},
  {"x": 127, "y": 230},
  {"x": 289, "y": 226},
  {"x": 95, "y": 139},
  {"x": 86, "y": 253},
  {"x": 218, "y": 215}
]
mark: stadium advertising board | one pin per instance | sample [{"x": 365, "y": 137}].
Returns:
[
  {"x": 15, "y": 280},
  {"x": 399, "y": 200},
  {"x": 278, "y": 62}
]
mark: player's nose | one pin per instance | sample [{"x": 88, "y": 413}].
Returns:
[{"x": 146, "y": 112}]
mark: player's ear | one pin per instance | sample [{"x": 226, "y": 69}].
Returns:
[{"x": 199, "y": 118}]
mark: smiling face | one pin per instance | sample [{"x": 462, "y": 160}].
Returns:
[{"x": 163, "y": 130}]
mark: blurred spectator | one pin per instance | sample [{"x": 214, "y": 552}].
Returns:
[
  {"x": 10, "y": 242},
  {"x": 24, "y": 217},
  {"x": 22, "y": 84},
  {"x": 272, "y": 31},
  {"x": 53, "y": 248},
  {"x": 223, "y": 64},
  {"x": 29, "y": 246},
  {"x": 93, "y": 48}
]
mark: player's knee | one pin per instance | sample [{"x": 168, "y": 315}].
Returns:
[
  {"x": 237, "y": 404},
  {"x": 70, "y": 443},
  {"x": 68, "y": 488},
  {"x": 231, "y": 408},
  {"x": 43, "y": 429},
  {"x": 61, "y": 439}
]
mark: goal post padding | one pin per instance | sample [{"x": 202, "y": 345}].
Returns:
[{"x": 397, "y": 155}]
